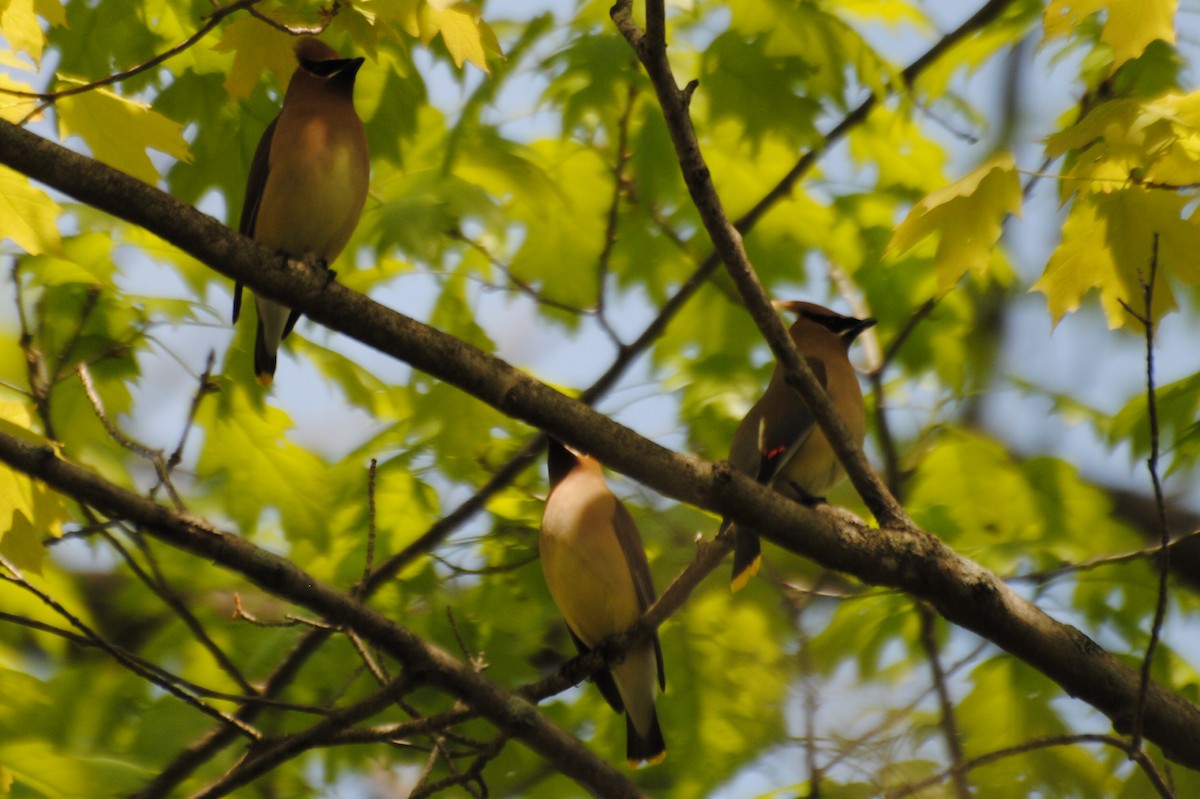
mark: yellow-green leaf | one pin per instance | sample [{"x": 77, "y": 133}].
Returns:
[
  {"x": 27, "y": 214},
  {"x": 51, "y": 10},
  {"x": 246, "y": 454},
  {"x": 1130, "y": 25},
  {"x": 405, "y": 14},
  {"x": 119, "y": 131},
  {"x": 968, "y": 214},
  {"x": 463, "y": 31},
  {"x": 257, "y": 48},
  {"x": 18, "y": 24},
  {"x": 1108, "y": 244},
  {"x": 14, "y": 107},
  {"x": 29, "y": 511}
]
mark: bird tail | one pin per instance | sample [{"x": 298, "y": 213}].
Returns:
[
  {"x": 264, "y": 360},
  {"x": 747, "y": 558},
  {"x": 649, "y": 748}
]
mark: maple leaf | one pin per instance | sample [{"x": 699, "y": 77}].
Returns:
[{"x": 968, "y": 214}]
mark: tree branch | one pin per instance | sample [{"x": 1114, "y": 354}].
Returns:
[
  {"x": 908, "y": 559},
  {"x": 727, "y": 242},
  {"x": 423, "y": 662}
]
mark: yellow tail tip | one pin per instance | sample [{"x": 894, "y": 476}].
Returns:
[
  {"x": 650, "y": 761},
  {"x": 741, "y": 578},
  {"x": 265, "y": 380}
]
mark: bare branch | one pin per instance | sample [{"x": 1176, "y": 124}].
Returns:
[
  {"x": 15, "y": 577},
  {"x": 962, "y": 788},
  {"x": 909, "y": 559},
  {"x": 1164, "y": 552},
  {"x": 727, "y": 243},
  {"x": 49, "y": 98}
]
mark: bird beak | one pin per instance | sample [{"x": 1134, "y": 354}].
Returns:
[{"x": 852, "y": 332}]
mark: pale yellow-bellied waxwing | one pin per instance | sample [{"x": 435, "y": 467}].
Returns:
[
  {"x": 598, "y": 575},
  {"x": 308, "y": 181},
  {"x": 778, "y": 443}
]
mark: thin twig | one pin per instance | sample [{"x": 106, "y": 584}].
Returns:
[
  {"x": 49, "y": 98},
  {"x": 1164, "y": 556},
  {"x": 270, "y": 753},
  {"x": 1101, "y": 561},
  {"x": 85, "y": 313},
  {"x": 883, "y": 429},
  {"x": 15, "y": 577},
  {"x": 378, "y": 670},
  {"x": 369, "y": 560},
  {"x": 472, "y": 778},
  {"x": 1143, "y": 761},
  {"x": 327, "y": 16},
  {"x": 614, "y": 212},
  {"x": 518, "y": 284},
  {"x": 35, "y": 361},
  {"x": 899, "y": 715},
  {"x": 158, "y": 584},
  {"x": 962, "y": 787},
  {"x": 206, "y": 386},
  {"x": 155, "y": 456}
]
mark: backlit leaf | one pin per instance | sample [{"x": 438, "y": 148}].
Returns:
[
  {"x": 466, "y": 36},
  {"x": 27, "y": 214},
  {"x": 969, "y": 215},
  {"x": 119, "y": 131}
]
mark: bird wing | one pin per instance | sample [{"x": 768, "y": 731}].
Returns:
[
  {"x": 781, "y": 435},
  {"x": 260, "y": 166},
  {"x": 639, "y": 569}
]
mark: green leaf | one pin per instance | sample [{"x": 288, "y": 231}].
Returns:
[
  {"x": 38, "y": 767},
  {"x": 1130, "y": 25},
  {"x": 19, "y": 25},
  {"x": 970, "y": 493},
  {"x": 969, "y": 214},
  {"x": 1108, "y": 244},
  {"x": 1178, "y": 405},
  {"x": 119, "y": 131},
  {"x": 763, "y": 94},
  {"x": 466, "y": 36},
  {"x": 250, "y": 467},
  {"x": 258, "y": 48},
  {"x": 27, "y": 215},
  {"x": 29, "y": 511}
]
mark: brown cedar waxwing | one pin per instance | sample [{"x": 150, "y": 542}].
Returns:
[
  {"x": 779, "y": 443},
  {"x": 308, "y": 181},
  {"x": 598, "y": 575}
]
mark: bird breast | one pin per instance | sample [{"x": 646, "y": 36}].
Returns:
[
  {"x": 311, "y": 204},
  {"x": 584, "y": 564}
]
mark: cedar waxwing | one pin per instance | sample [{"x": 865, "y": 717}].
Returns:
[
  {"x": 308, "y": 181},
  {"x": 598, "y": 575},
  {"x": 779, "y": 443}
]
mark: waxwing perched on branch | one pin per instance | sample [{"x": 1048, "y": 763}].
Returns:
[
  {"x": 308, "y": 181},
  {"x": 598, "y": 575},
  {"x": 778, "y": 443}
]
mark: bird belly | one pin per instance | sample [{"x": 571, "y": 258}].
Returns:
[
  {"x": 588, "y": 577},
  {"x": 311, "y": 206}
]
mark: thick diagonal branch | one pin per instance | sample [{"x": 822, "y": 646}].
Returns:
[{"x": 908, "y": 559}]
